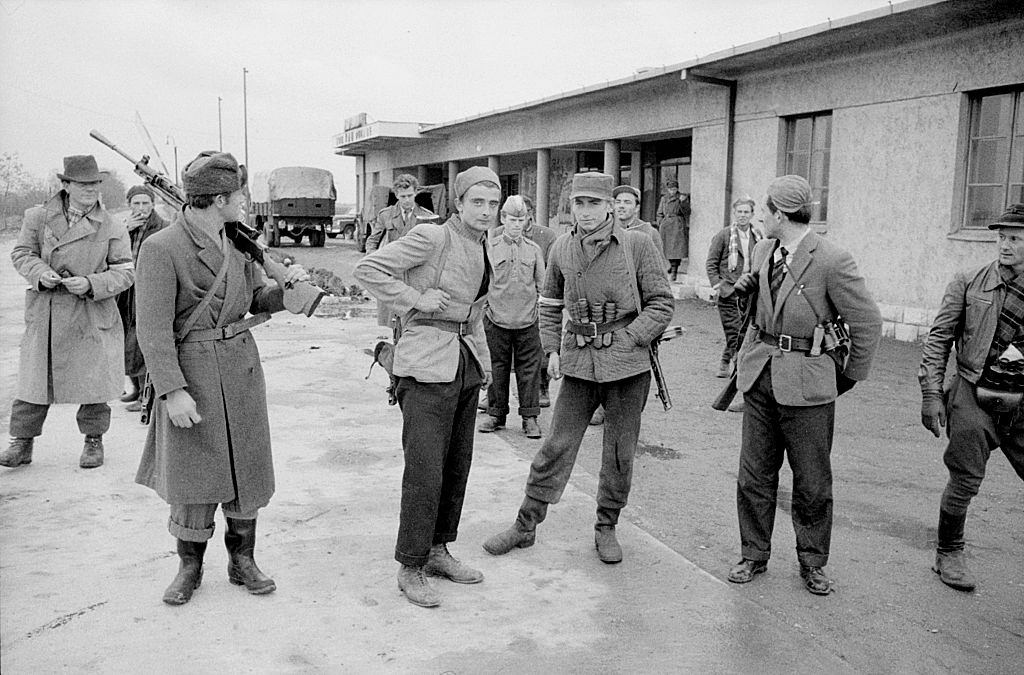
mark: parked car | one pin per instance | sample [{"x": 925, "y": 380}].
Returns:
[{"x": 344, "y": 222}]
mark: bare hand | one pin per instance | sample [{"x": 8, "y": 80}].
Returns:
[
  {"x": 554, "y": 366},
  {"x": 487, "y": 381},
  {"x": 77, "y": 285},
  {"x": 49, "y": 279},
  {"x": 433, "y": 300},
  {"x": 135, "y": 221},
  {"x": 181, "y": 408}
]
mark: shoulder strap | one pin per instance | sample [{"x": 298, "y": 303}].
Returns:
[
  {"x": 222, "y": 274},
  {"x": 444, "y": 254}
]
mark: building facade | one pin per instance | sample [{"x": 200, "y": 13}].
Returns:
[{"x": 908, "y": 121}]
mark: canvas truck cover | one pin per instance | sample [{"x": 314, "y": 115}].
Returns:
[{"x": 295, "y": 182}]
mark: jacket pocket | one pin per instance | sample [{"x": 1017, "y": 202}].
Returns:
[{"x": 818, "y": 379}]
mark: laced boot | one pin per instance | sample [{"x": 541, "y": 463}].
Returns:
[
  {"x": 950, "y": 562},
  {"x": 413, "y": 582},
  {"x": 545, "y": 398},
  {"x": 491, "y": 424},
  {"x": 18, "y": 452},
  {"x": 531, "y": 428},
  {"x": 92, "y": 453},
  {"x": 442, "y": 564},
  {"x": 190, "y": 572},
  {"x": 240, "y": 541}
]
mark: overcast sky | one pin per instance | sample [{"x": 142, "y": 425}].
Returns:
[{"x": 68, "y": 66}]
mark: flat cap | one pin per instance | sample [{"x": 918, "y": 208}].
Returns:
[
  {"x": 790, "y": 193},
  {"x": 1013, "y": 216},
  {"x": 472, "y": 176},
  {"x": 626, "y": 188},
  {"x": 592, "y": 184},
  {"x": 140, "y": 190},
  {"x": 213, "y": 173}
]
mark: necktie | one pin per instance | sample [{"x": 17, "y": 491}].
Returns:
[{"x": 778, "y": 273}]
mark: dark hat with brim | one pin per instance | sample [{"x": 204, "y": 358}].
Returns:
[
  {"x": 592, "y": 184},
  {"x": 213, "y": 173},
  {"x": 1013, "y": 216},
  {"x": 81, "y": 169}
]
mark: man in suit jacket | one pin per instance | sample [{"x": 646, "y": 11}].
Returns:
[
  {"x": 395, "y": 221},
  {"x": 790, "y": 377},
  {"x": 728, "y": 258}
]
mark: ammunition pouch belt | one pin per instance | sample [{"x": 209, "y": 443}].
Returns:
[
  {"x": 591, "y": 329},
  {"x": 226, "y": 332},
  {"x": 460, "y": 328},
  {"x": 995, "y": 401},
  {"x": 785, "y": 343}
]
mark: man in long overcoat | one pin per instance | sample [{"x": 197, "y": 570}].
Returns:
[
  {"x": 674, "y": 225},
  {"x": 76, "y": 259},
  {"x": 209, "y": 437}
]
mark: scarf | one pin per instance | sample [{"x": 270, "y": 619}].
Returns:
[
  {"x": 734, "y": 245},
  {"x": 1000, "y": 373},
  {"x": 596, "y": 241}
]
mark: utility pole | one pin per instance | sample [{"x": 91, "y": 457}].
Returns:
[
  {"x": 220, "y": 128},
  {"x": 245, "y": 116}
]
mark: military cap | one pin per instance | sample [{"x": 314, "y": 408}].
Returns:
[
  {"x": 140, "y": 190},
  {"x": 672, "y": 183},
  {"x": 1013, "y": 216},
  {"x": 213, "y": 173},
  {"x": 472, "y": 176},
  {"x": 592, "y": 184},
  {"x": 790, "y": 193},
  {"x": 81, "y": 169},
  {"x": 626, "y": 188}
]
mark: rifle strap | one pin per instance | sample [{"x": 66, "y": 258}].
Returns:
[{"x": 222, "y": 274}]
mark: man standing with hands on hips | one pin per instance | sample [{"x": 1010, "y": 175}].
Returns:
[
  {"x": 436, "y": 278},
  {"x": 813, "y": 336}
]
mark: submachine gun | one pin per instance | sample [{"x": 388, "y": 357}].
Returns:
[{"x": 300, "y": 297}]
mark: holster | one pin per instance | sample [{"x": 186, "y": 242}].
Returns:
[{"x": 998, "y": 402}]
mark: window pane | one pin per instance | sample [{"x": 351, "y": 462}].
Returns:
[
  {"x": 800, "y": 135},
  {"x": 988, "y": 160},
  {"x": 984, "y": 204},
  {"x": 819, "y": 209},
  {"x": 818, "y": 176},
  {"x": 822, "y": 132},
  {"x": 994, "y": 113}
]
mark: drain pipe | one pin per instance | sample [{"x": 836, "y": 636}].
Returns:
[{"x": 730, "y": 130}]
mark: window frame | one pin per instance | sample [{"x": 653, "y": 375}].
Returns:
[{"x": 787, "y": 126}]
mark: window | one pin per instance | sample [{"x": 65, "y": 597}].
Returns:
[
  {"x": 995, "y": 156},
  {"x": 509, "y": 184},
  {"x": 589, "y": 161},
  {"x": 808, "y": 150}
]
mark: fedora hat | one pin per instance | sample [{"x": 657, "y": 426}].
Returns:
[{"x": 81, "y": 169}]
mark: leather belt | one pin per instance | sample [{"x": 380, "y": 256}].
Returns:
[
  {"x": 460, "y": 328},
  {"x": 591, "y": 329},
  {"x": 785, "y": 343},
  {"x": 226, "y": 332}
]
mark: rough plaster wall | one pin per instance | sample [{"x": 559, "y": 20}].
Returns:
[{"x": 706, "y": 199}]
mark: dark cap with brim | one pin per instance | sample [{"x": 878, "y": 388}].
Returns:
[
  {"x": 592, "y": 184},
  {"x": 627, "y": 189},
  {"x": 1013, "y": 216}
]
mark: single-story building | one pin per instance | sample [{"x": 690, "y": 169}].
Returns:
[{"x": 908, "y": 121}]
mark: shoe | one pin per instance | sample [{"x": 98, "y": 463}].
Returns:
[
  {"x": 513, "y": 537},
  {"x": 724, "y": 369},
  {"x": 482, "y": 403},
  {"x": 598, "y": 417},
  {"x": 240, "y": 541},
  {"x": 744, "y": 571},
  {"x": 190, "y": 572},
  {"x": 491, "y": 424},
  {"x": 413, "y": 582},
  {"x": 737, "y": 406},
  {"x": 128, "y": 397},
  {"x": 440, "y": 563},
  {"x": 18, "y": 452},
  {"x": 92, "y": 453},
  {"x": 545, "y": 400},
  {"x": 134, "y": 406},
  {"x": 952, "y": 570},
  {"x": 815, "y": 580},
  {"x": 608, "y": 549},
  {"x": 531, "y": 428}
]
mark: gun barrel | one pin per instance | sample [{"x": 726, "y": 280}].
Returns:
[{"x": 105, "y": 141}]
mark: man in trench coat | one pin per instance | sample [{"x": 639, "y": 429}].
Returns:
[
  {"x": 209, "y": 438},
  {"x": 674, "y": 225},
  {"x": 76, "y": 259}
]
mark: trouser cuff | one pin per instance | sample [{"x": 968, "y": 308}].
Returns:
[
  {"x": 754, "y": 554},
  {"x": 411, "y": 560},
  {"x": 812, "y": 559},
  {"x": 187, "y": 533},
  {"x": 529, "y": 412},
  {"x": 444, "y": 537}
]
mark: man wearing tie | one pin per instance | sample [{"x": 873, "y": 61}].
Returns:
[{"x": 813, "y": 336}]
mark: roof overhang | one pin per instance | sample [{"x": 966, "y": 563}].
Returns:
[{"x": 377, "y": 136}]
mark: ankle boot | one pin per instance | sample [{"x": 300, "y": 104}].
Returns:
[
  {"x": 950, "y": 563},
  {"x": 18, "y": 452},
  {"x": 190, "y": 572},
  {"x": 240, "y": 541},
  {"x": 92, "y": 453}
]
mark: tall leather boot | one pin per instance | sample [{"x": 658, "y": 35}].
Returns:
[
  {"x": 240, "y": 540},
  {"x": 190, "y": 572},
  {"x": 950, "y": 564}
]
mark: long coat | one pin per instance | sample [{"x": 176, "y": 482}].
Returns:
[
  {"x": 674, "y": 225},
  {"x": 230, "y": 447},
  {"x": 73, "y": 345},
  {"x": 134, "y": 364},
  {"x": 823, "y": 279}
]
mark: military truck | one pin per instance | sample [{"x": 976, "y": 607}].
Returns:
[
  {"x": 298, "y": 202},
  {"x": 431, "y": 197}
]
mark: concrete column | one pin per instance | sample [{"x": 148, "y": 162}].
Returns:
[
  {"x": 494, "y": 164},
  {"x": 453, "y": 171},
  {"x": 612, "y": 162},
  {"x": 543, "y": 183},
  {"x": 635, "y": 169},
  {"x": 421, "y": 174}
]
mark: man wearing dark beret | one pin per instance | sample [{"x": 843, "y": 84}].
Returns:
[
  {"x": 613, "y": 284},
  {"x": 209, "y": 438},
  {"x": 795, "y": 361},
  {"x": 436, "y": 279},
  {"x": 76, "y": 258},
  {"x": 982, "y": 313},
  {"x": 142, "y": 222}
]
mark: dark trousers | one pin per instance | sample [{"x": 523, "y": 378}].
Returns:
[
  {"x": 437, "y": 438},
  {"x": 804, "y": 435},
  {"x": 731, "y": 311},
  {"x": 521, "y": 347},
  {"x": 27, "y": 419},
  {"x": 623, "y": 402},
  {"x": 973, "y": 434}
]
